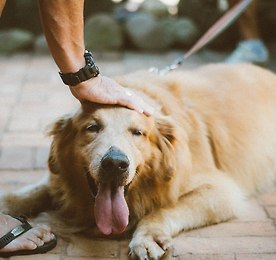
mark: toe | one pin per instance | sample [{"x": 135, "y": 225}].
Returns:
[
  {"x": 47, "y": 237},
  {"x": 43, "y": 232},
  {"x": 19, "y": 244},
  {"x": 33, "y": 238}
]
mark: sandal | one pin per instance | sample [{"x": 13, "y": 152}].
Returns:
[{"x": 16, "y": 232}]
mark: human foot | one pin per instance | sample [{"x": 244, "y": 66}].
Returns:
[
  {"x": 249, "y": 51},
  {"x": 27, "y": 241}
]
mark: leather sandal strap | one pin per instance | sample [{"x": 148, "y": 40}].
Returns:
[{"x": 14, "y": 233}]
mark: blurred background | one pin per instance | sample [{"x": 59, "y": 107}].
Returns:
[{"x": 120, "y": 25}]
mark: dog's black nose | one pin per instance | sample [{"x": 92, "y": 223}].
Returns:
[{"x": 115, "y": 161}]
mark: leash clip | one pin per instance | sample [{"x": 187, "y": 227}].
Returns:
[{"x": 224, "y": 22}]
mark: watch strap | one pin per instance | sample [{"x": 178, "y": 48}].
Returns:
[{"x": 90, "y": 70}]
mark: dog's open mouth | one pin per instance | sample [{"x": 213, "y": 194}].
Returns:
[{"x": 111, "y": 210}]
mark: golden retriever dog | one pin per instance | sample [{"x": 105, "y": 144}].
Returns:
[{"x": 209, "y": 145}]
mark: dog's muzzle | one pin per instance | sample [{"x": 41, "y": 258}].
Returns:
[
  {"x": 114, "y": 167},
  {"x": 110, "y": 208}
]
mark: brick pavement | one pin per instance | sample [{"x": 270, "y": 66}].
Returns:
[{"x": 32, "y": 96}]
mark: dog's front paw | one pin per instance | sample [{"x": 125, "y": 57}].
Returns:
[{"x": 149, "y": 246}]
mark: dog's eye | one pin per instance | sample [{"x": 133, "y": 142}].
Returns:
[
  {"x": 94, "y": 128},
  {"x": 137, "y": 132}
]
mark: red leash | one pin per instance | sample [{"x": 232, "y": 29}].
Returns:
[{"x": 224, "y": 22}]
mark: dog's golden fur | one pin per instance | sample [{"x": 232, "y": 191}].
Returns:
[{"x": 210, "y": 143}]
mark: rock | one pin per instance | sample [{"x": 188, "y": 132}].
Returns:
[
  {"x": 14, "y": 40},
  {"x": 93, "y": 7},
  {"x": 204, "y": 16},
  {"x": 183, "y": 30},
  {"x": 267, "y": 19},
  {"x": 23, "y": 15},
  {"x": 154, "y": 7},
  {"x": 147, "y": 33},
  {"x": 102, "y": 32},
  {"x": 186, "y": 32},
  {"x": 40, "y": 45}
]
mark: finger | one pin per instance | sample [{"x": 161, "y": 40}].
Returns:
[
  {"x": 126, "y": 97},
  {"x": 132, "y": 103},
  {"x": 148, "y": 110},
  {"x": 136, "y": 103}
]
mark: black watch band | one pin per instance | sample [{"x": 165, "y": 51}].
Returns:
[{"x": 90, "y": 70}]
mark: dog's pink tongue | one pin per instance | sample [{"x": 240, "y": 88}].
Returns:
[{"x": 111, "y": 212}]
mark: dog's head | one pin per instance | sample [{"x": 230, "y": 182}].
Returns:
[{"x": 118, "y": 148}]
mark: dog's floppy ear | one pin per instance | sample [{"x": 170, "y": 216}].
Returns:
[
  {"x": 166, "y": 140},
  {"x": 165, "y": 126},
  {"x": 59, "y": 126},
  {"x": 53, "y": 161},
  {"x": 61, "y": 130}
]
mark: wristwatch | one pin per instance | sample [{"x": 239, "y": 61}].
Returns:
[{"x": 90, "y": 70}]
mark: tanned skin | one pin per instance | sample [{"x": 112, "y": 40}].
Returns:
[{"x": 63, "y": 25}]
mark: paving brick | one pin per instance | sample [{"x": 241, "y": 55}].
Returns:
[
  {"x": 243, "y": 245},
  {"x": 235, "y": 229},
  {"x": 42, "y": 88},
  {"x": 5, "y": 108},
  {"x": 7, "y": 103},
  {"x": 46, "y": 256},
  {"x": 206, "y": 257},
  {"x": 256, "y": 257},
  {"x": 41, "y": 157},
  {"x": 23, "y": 124},
  {"x": 268, "y": 199},
  {"x": 86, "y": 258},
  {"x": 22, "y": 110},
  {"x": 124, "y": 250},
  {"x": 10, "y": 88},
  {"x": 35, "y": 97},
  {"x": 25, "y": 140},
  {"x": 271, "y": 210},
  {"x": 14, "y": 180},
  {"x": 3, "y": 123},
  {"x": 16, "y": 158},
  {"x": 80, "y": 246}
]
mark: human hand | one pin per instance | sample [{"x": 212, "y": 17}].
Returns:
[{"x": 104, "y": 90}]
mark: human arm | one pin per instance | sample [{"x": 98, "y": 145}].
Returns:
[
  {"x": 2, "y": 5},
  {"x": 63, "y": 25}
]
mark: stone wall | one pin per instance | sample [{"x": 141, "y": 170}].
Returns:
[
  {"x": 150, "y": 28},
  {"x": 205, "y": 12}
]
